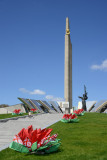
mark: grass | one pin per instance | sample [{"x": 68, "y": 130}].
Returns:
[
  {"x": 86, "y": 140},
  {"x": 9, "y": 115}
]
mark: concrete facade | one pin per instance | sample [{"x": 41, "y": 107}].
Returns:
[
  {"x": 68, "y": 68},
  {"x": 10, "y": 109}
]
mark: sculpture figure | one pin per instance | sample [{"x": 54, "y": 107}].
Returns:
[{"x": 84, "y": 98}]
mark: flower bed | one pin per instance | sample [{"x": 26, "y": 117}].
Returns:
[
  {"x": 17, "y": 112},
  {"x": 69, "y": 118},
  {"x": 35, "y": 141},
  {"x": 33, "y": 110},
  {"x": 79, "y": 112}
]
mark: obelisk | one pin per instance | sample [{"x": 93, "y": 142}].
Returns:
[{"x": 68, "y": 68}]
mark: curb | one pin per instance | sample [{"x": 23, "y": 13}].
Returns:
[{"x": 15, "y": 118}]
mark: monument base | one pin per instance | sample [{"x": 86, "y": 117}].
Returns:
[{"x": 66, "y": 110}]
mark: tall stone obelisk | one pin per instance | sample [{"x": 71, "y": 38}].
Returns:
[{"x": 68, "y": 68}]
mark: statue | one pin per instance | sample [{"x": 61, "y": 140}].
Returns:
[{"x": 84, "y": 98}]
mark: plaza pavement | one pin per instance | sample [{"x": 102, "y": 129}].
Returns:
[{"x": 11, "y": 127}]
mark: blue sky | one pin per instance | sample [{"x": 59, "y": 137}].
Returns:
[{"x": 32, "y": 34}]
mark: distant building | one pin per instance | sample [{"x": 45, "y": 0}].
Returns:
[
  {"x": 10, "y": 109},
  {"x": 100, "y": 107},
  {"x": 94, "y": 106},
  {"x": 27, "y": 104},
  {"x": 89, "y": 105}
]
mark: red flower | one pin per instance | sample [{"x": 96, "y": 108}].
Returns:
[
  {"x": 29, "y": 136},
  {"x": 33, "y": 110},
  {"x": 36, "y": 141},
  {"x": 73, "y": 116},
  {"x": 69, "y": 116},
  {"x": 79, "y": 111},
  {"x": 17, "y": 111}
]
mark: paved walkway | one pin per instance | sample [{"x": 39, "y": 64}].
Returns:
[{"x": 10, "y": 128}]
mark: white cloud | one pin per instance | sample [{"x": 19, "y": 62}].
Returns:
[
  {"x": 36, "y": 91},
  {"x": 52, "y": 98},
  {"x": 23, "y": 90},
  {"x": 40, "y": 92},
  {"x": 49, "y": 97},
  {"x": 102, "y": 66}
]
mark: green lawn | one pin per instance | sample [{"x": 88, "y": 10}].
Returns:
[
  {"x": 86, "y": 140},
  {"x": 3, "y": 116}
]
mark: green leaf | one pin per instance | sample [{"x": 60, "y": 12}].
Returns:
[
  {"x": 54, "y": 148},
  {"x": 34, "y": 146},
  {"x": 65, "y": 120},
  {"x": 19, "y": 147}
]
